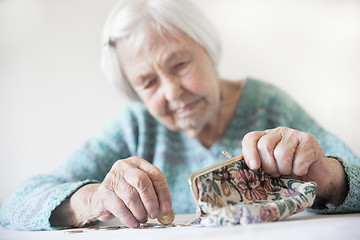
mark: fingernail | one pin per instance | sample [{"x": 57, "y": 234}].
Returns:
[
  {"x": 135, "y": 225},
  {"x": 252, "y": 164},
  {"x": 144, "y": 220},
  {"x": 165, "y": 207},
  {"x": 153, "y": 214}
]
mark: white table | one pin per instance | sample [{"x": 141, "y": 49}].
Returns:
[{"x": 302, "y": 226}]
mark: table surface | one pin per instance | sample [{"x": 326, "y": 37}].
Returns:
[{"x": 303, "y": 225}]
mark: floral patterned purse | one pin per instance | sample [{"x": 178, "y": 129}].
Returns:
[{"x": 229, "y": 193}]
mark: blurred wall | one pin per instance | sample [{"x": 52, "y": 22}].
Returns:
[{"x": 53, "y": 95}]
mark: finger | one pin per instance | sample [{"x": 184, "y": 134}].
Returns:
[
  {"x": 162, "y": 191},
  {"x": 284, "y": 154},
  {"x": 159, "y": 183},
  {"x": 305, "y": 154},
  {"x": 139, "y": 194},
  {"x": 130, "y": 196},
  {"x": 250, "y": 150},
  {"x": 266, "y": 146},
  {"x": 117, "y": 207},
  {"x": 106, "y": 216}
]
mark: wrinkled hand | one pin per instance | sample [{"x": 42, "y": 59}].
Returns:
[
  {"x": 132, "y": 191},
  {"x": 285, "y": 151}
]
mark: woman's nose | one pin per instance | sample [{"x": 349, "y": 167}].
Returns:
[{"x": 172, "y": 88}]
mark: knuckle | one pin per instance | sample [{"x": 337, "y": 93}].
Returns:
[
  {"x": 291, "y": 133},
  {"x": 250, "y": 136},
  {"x": 106, "y": 186},
  {"x": 120, "y": 165},
  {"x": 312, "y": 140},
  {"x": 288, "y": 133},
  {"x": 156, "y": 173},
  {"x": 308, "y": 138},
  {"x": 246, "y": 140},
  {"x": 282, "y": 129},
  {"x": 116, "y": 173},
  {"x": 134, "y": 160},
  {"x": 250, "y": 141}
]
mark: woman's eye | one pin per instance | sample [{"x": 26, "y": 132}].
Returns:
[
  {"x": 150, "y": 83},
  {"x": 180, "y": 65}
]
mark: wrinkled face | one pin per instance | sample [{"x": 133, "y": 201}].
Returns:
[{"x": 175, "y": 79}]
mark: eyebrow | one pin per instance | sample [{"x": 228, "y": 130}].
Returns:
[
  {"x": 141, "y": 78},
  {"x": 176, "y": 54}
]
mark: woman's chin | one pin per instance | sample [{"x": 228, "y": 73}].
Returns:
[
  {"x": 191, "y": 129},
  {"x": 191, "y": 132}
]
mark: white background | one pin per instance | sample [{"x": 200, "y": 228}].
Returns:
[{"x": 53, "y": 95}]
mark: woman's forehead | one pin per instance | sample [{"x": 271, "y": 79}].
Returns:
[
  {"x": 160, "y": 48},
  {"x": 142, "y": 65},
  {"x": 152, "y": 40}
]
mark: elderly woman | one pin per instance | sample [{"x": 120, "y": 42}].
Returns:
[{"x": 164, "y": 55}]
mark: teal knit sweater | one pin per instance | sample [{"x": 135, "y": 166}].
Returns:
[{"x": 134, "y": 132}]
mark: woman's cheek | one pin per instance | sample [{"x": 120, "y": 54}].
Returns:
[
  {"x": 194, "y": 84},
  {"x": 157, "y": 105}
]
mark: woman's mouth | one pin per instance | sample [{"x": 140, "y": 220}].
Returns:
[{"x": 188, "y": 107}]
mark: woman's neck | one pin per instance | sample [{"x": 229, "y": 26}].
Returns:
[{"x": 230, "y": 92}]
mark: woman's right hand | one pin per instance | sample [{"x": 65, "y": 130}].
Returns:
[{"x": 132, "y": 191}]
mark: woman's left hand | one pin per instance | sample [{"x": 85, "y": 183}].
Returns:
[{"x": 285, "y": 151}]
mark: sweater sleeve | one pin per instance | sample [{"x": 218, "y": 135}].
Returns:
[
  {"x": 30, "y": 205},
  {"x": 352, "y": 201},
  {"x": 334, "y": 148},
  {"x": 284, "y": 111}
]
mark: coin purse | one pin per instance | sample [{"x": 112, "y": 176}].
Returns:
[{"x": 229, "y": 193}]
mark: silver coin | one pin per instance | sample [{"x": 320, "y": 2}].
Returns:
[{"x": 109, "y": 228}]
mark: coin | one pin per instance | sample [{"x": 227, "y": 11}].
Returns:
[
  {"x": 166, "y": 218},
  {"x": 73, "y": 231},
  {"x": 148, "y": 225},
  {"x": 181, "y": 225},
  {"x": 109, "y": 228},
  {"x": 91, "y": 228}
]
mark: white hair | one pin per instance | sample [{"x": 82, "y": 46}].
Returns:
[{"x": 132, "y": 18}]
